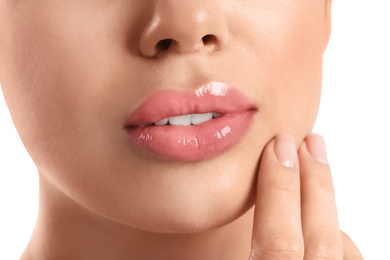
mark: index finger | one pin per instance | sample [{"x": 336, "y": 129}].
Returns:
[{"x": 277, "y": 230}]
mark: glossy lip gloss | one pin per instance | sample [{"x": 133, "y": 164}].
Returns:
[{"x": 194, "y": 142}]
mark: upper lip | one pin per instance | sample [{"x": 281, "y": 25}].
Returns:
[{"x": 216, "y": 97}]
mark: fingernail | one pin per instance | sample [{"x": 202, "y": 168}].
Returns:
[
  {"x": 316, "y": 146},
  {"x": 285, "y": 150}
]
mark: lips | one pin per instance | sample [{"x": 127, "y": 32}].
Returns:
[{"x": 191, "y": 142}]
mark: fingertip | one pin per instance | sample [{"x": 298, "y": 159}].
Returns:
[
  {"x": 285, "y": 150},
  {"x": 351, "y": 251},
  {"x": 316, "y": 147}
]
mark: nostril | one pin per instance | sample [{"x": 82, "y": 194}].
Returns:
[
  {"x": 209, "y": 39},
  {"x": 164, "y": 44}
]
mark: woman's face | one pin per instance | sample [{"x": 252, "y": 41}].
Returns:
[{"x": 74, "y": 72}]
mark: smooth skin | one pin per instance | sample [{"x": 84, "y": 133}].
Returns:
[
  {"x": 295, "y": 214},
  {"x": 72, "y": 73},
  {"x": 295, "y": 217}
]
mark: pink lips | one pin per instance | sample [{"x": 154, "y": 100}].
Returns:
[{"x": 195, "y": 142}]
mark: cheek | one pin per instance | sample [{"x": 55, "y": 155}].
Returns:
[
  {"x": 59, "y": 88},
  {"x": 289, "y": 57},
  {"x": 38, "y": 96},
  {"x": 58, "y": 75},
  {"x": 54, "y": 89},
  {"x": 294, "y": 91}
]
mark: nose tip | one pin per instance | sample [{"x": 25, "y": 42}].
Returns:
[{"x": 179, "y": 27}]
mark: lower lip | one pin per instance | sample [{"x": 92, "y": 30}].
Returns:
[{"x": 195, "y": 142}]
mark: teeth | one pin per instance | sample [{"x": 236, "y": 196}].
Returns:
[
  {"x": 180, "y": 120},
  {"x": 162, "y": 122},
  {"x": 197, "y": 119},
  {"x": 186, "y": 120}
]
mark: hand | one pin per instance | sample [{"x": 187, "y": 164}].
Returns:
[{"x": 295, "y": 213}]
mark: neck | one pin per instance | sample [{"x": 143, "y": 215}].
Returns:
[{"x": 67, "y": 230}]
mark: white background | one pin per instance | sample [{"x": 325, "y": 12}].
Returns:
[{"x": 354, "y": 118}]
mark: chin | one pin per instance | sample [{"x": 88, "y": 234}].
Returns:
[{"x": 186, "y": 199}]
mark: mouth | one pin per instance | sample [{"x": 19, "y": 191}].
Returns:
[{"x": 191, "y": 126}]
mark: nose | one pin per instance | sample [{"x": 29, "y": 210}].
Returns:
[{"x": 183, "y": 26}]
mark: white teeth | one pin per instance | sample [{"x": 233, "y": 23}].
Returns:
[
  {"x": 189, "y": 119},
  {"x": 197, "y": 119},
  {"x": 180, "y": 120},
  {"x": 162, "y": 122}
]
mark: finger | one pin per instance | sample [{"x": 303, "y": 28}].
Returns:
[
  {"x": 320, "y": 225},
  {"x": 277, "y": 230},
  {"x": 351, "y": 251}
]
